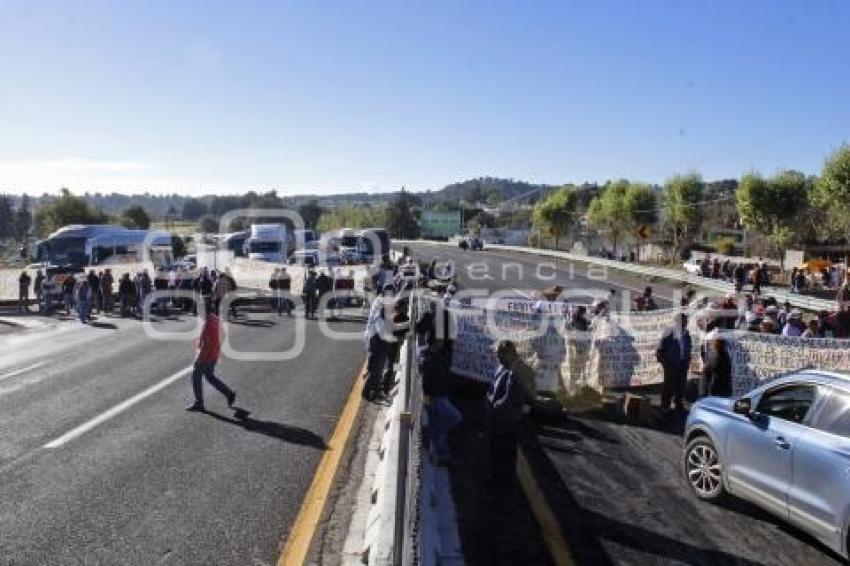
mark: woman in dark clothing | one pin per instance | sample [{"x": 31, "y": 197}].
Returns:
[{"x": 716, "y": 378}]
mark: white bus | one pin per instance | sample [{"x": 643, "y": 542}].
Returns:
[{"x": 84, "y": 245}]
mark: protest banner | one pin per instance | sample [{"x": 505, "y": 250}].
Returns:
[
  {"x": 618, "y": 352},
  {"x": 758, "y": 358}
]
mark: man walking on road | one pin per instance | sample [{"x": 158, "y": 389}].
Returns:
[
  {"x": 209, "y": 349},
  {"x": 674, "y": 355}
]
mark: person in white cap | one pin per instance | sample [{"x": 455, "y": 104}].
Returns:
[{"x": 794, "y": 326}]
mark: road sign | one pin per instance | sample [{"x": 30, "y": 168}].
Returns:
[{"x": 643, "y": 231}]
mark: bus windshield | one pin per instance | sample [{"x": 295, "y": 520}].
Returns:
[
  {"x": 348, "y": 242},
  {"x": 63, "y": 251},
  {"x": 260, "y": 247}
]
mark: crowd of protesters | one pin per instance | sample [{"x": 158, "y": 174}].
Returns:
[{"x": 99, "y": 292}]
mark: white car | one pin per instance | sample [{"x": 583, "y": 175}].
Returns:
[{"x": 692, "y": 266}]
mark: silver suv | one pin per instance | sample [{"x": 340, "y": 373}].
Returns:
[{"x": 785, "y": 446}]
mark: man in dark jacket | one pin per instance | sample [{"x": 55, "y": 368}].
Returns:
[
  {"x": 106, "y": 283},
  {"x": 674, "y": 355},
  {"x": 37, "y": 284},
  {"x": 716, "y": 377},
  {"x": 24, "y": 291},
  {"x": 126, "y": 290},
  {"x": 202, "y": 286},
  {"x": 94, "y": 289},
  {"x": 507, "y": 399}
]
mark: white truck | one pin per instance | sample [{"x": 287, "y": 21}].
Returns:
[{"x": 268, "y": 242}]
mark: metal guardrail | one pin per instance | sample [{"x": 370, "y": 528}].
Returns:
[
  {"x": 800, "y": 301},
  {"x": 407, "y": 487}
]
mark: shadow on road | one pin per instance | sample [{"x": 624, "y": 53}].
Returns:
[
  {"x": 260, "y": 323},
  {"x": 103, "y": 325},
  {"x": 286, "y": 433},
  {"x": 585, "y": 530}
]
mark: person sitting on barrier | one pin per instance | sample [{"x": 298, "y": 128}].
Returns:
[
  {"x": 442, "y": 415},
  {"x": 508, "y": 399}
]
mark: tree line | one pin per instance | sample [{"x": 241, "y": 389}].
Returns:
[{"x": 785, "y": 209}]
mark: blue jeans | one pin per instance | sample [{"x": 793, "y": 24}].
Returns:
[
  {"x": 84, "y": 310},
  {"x": 206, "y": 370}
]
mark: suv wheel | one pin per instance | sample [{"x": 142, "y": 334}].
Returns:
[{"x": 703, "y": 469}]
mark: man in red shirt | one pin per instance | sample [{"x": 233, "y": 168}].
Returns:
[{"x": 209, "y": 349}]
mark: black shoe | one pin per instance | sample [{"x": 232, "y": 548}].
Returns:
[
  {"x": 196, "y": 407},
  {"x": 231, "y": 398}
]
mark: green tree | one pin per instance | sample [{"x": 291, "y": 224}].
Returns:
[
  {"x": 556, "y": 213},
  {"x": 207, "y": 224},
  {"x": 310, "y": 213},
  {"x": 682, "y": 193},
  {"x": 7, "y": 217},
  {"x": 67, "y": 209},
  {"x": 178, "y": 245},
  {"x": 641, "y": 204},
  {"x": 193, "y": 209},
  {"x": 359, "y": 216},
  {"x": 136, "y": 217},
  {"x": 607, "y": 213},
  {"x": 23, "y": 218},
  {"x": 401, "y": 222},
  {"x": 832, "y": 192},
  {"x": 774, "y": 207}
]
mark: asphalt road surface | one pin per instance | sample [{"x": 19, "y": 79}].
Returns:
[
  {"x": 616, "y": 488},
  {"x": 101, "y": 464}
]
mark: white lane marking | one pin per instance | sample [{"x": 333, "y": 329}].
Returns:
[
  {"x": 117, "y": 409},
  {"x": 22, "y": 370},
  {"x": 524, "y": 294}
]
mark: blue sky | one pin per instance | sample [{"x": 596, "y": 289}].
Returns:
[{"x": 322, "y": 97}]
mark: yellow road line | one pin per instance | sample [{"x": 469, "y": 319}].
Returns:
[
  {"x": 558, "y": 547},
  {"x": 301, "y": 535}
]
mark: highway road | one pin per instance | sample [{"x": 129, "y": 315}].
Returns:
[
  {"x": 616, "y": 488},
  {"x": 101, "y": 464}
]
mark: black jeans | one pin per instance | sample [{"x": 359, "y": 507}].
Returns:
[
  {"x": 375, "y": 366},
  {"x": 673, "y": 387},
  {"x": 503, "y": 451},
  {"x": 206, "y": 370}
]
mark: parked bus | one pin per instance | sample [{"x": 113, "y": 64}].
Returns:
[{"x": 84, "y": 245}]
